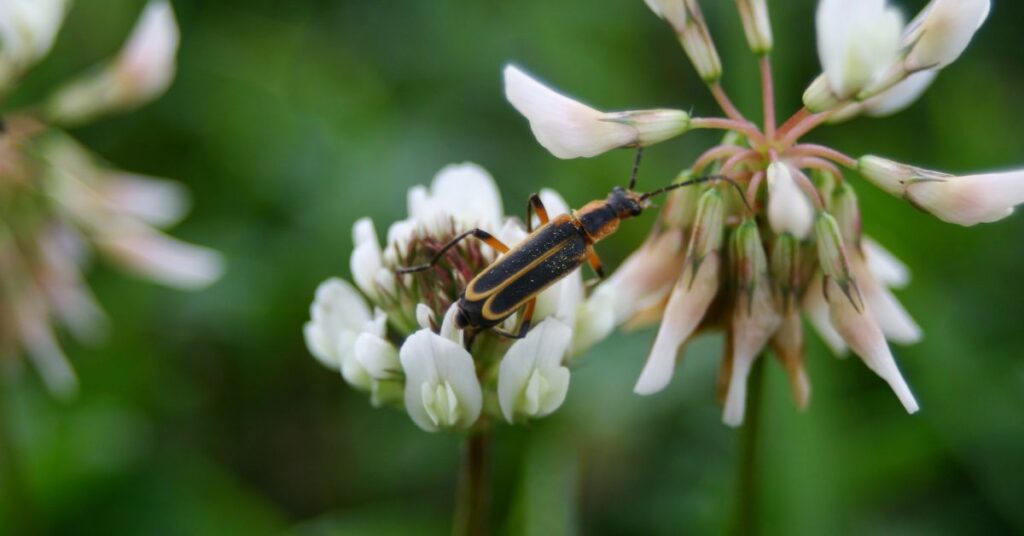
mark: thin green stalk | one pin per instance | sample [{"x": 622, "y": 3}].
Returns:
[
  {"x": 747, "y": 515},
  {"x": 473, "y": 496},
  {"x": 15, "y": 504}
]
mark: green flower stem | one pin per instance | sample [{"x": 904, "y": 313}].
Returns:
[
  {"x": 472, "y": 499},
  {"x": 15, "y": 505},
  {"x": 747, "y": 520}
]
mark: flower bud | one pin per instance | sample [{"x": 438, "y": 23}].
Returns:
[
  {"x": 570, "y": 129},
  {"x": 847, "y": 213},
  {"x": 785, "y": 270},
  {"x": 832, "y": 257},
  {"x": 754, "y": 317},
  {"x": 691, "y": 296},
  {"x": 756, "y": 25},
  {"x": 652, "y": 126},
  {"x": 942, "y": 32},
  {"x": 789, "y": 210},
  {"x": 819, "y": 97},
  {"x": 673, "y": 11},
  {"x": 696, "y": 41}
]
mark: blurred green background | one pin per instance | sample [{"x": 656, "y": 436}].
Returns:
[{"x": 204, "y": 414}]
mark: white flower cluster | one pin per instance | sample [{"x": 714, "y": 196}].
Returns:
[
  {"x": 790, "y": 243},
  {"x": 395, "y": 337},
  {"x": 76, "y": 202}
]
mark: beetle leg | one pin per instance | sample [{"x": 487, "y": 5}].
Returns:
[
  {"x": 479, "y": 234},
  {"x": 524, "y": 324},
  {"x": 595, "y": 262},
  {"x": 535, "y": 204}
]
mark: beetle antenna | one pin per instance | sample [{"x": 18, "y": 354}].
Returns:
[
  {"x": 636, "y": 167},
  {"x": 700, "y": 180}
]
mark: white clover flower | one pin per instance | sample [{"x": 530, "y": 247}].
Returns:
[
  {"x": 28, "y": 29},
  {"x": 964, "y": 200},
  {"x": 338, "y": 316},
  {"x": 789, "y": 210},
  {"x": 434, "y": 365},
  {"x": 532, "y": 380},
  {"x": 570, "y": 129},
  {"x": 857, "y": 41},
  {"x": 941, "y": 33},
  {"x": 441, "y": 388},
  {"x": 142, "y": 71}
]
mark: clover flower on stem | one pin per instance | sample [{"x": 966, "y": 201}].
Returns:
[
  {"x": 60, "y": 202},
  {"x": 749, "y": 263}
]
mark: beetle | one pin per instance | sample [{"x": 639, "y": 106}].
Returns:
[{"x": 551, "y": 252}]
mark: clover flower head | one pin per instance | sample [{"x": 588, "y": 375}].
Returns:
[
  {"x": 774, "y": 233},
  {"x": 79, "y": 204}
]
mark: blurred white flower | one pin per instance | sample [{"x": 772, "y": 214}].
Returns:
[
  {"x": 942, "y": 31},
  {"x": 901, "y": 96},
  {"x": 532, "y": 380},
  {"x": 142, "y": 71},
  {"x": 570, "y": 129},
  {"x": 338, "y": 316},
  {"x": 28, "y": 29},
  {"x": 789, "y": 210}
]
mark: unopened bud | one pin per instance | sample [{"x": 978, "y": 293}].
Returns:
[
  {"x": 756, "y": 25},
  {"x": 785, "y": 270},
  {"x": 847, "y": 213},
  {"x": 818, "y": 97},
  {"x": 699, "y": 47},
  {"x": 832, "y": 257},
  {"x": 673, "y": 11},
  {"x": 825, "y": 182},
  {"x": 894, "y": 177},
  {"x": 681, "y": 205},
  {"x": 652, "y": 126},
  {"x": 706, "y": 237},
  {"x": 749, "y": 261}
]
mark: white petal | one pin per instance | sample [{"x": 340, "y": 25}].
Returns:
[
  {"x": 942, "y": 32},
  {"x": 595, "y": 320},
  {"x": 161, "y": 258},
  {"x": 563, "y": 126},
  {"x": 789, "y": 210},
  {"x": 690, "y": 300},
  {"x": 337, "y": 309},
  {"x": 901, "y": 96},
  {"x": 430, "y": 362},
  {"x": 972, "y": 199},
  {"x": 449, "y": 329},
  {"x": 536, "y": 361},
  {"x": 378, "y": 357},
  {"x": 158, "y": 202},
  {"x": 28, "y": 29},
  {"x": 857, "y": 41},
  {"x": 860, "y": 330},
  {"x": 647, "y": 276},
  {"x": 752, "y": 328},
  {"x": 818, "y": 314},
  {"x": 894, "y": 320},
  {"x": 886, "y": 268},
  {"x": 468, "y": 193},
  {"x": 146, "y": 64},
  {"x": 424, "y": 316},
  {"x": 367, "y": 262}
]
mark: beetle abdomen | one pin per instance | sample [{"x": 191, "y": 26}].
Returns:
[{"x": 546, "y": 256}]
